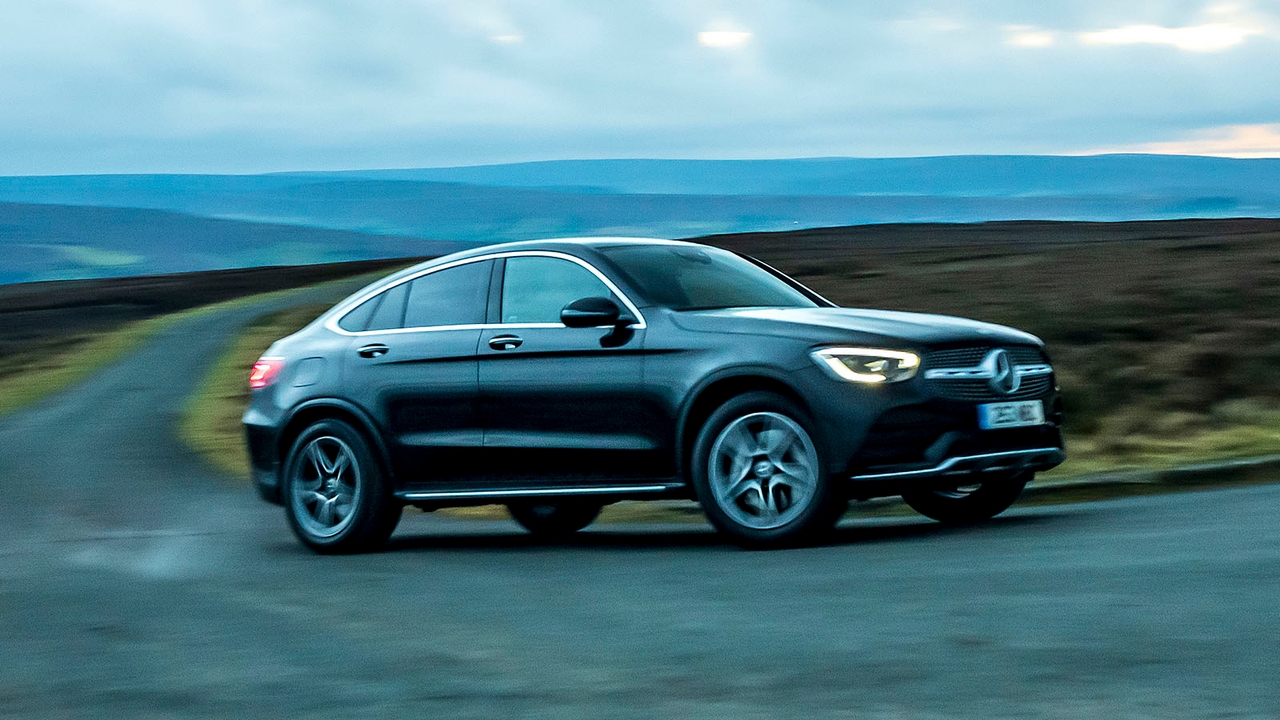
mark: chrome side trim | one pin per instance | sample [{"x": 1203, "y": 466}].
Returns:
[
  {"x": 348, "y": 305},
  {"x": 536, "y": 492},
  {"x": 1037, "y": 458}
]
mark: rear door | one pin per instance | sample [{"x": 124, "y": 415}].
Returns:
[
  {"x": 414, "y": 366},
  {"x": 561, "y": 405}
]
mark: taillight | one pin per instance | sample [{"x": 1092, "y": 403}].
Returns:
[{"x": 264, "y": 372}]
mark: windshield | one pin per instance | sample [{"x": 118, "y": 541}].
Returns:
[{"x": 700, "y": 278}]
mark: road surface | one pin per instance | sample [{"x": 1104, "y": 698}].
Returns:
[{"x": 135, "y": 582}]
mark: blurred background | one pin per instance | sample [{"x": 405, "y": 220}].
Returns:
[{"x": 181, "y": 183}]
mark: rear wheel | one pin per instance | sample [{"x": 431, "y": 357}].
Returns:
[
  {"x": 965, "y": 504},
  {"x": 554, "y": 519},
  {"x": 335, "y": 494},
  {"x": 759, "y": 475}
]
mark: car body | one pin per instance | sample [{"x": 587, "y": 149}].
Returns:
[{"x": 559, "y": 375}]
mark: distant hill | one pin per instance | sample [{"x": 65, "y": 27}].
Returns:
[
  {"x": 987, "y": 176},
  {"x": 48, "y": 242},
  {"x": 98, "y": 225},
  {"x": 693, "y": 197}
]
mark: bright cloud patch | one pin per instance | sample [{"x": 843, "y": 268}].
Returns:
[
  {"x": 1211, "y": 37},
  {"x": 1027, "y": 36},
  {"x": 723, "y": 38},
  {"x": 1238, "y": 141}
]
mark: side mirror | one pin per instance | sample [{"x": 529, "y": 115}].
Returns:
[{"x": 590, "y": 312}]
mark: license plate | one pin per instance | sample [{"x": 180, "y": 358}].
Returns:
[{"x": 994, "y": 416}]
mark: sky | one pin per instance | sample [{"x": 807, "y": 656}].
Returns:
[{"x": 238, "y": 86}]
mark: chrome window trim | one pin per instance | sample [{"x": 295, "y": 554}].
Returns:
[{"x": 332, "y": 323}]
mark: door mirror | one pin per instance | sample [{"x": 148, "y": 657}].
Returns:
[{"x": 590, "y": 312}]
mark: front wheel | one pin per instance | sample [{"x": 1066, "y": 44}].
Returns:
[
  {"x": 557, "y": 519},
  {"x": 759, "y": 475},
  {"x": 335, "y": 495},
  {"x": 966, "y": 504}
]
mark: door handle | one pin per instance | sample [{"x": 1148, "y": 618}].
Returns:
[
  {"x": 505, "y": 342},
  {"x": 372, "y": 351}
]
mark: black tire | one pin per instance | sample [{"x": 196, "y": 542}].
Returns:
[
  {"x": 553, "y": 519},
  {"x": 965, "y": 507},
  {"x": 373, "y": 511},
  {"x": 802, "y": 519}
]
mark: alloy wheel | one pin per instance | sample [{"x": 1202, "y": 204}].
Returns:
[
  {"x": 763, "y": 470},
  {"x": 326, "y": 484},
  {"x": 958, "y": 493}
]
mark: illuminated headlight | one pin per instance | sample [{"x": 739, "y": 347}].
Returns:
[{"x": 867, "y": 365}]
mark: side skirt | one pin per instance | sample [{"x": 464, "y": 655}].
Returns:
[{"x": 608, "y": 493}]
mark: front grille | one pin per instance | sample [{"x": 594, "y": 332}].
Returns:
[
  {"x": 979, "y": 389},
  {"x": 973, "y": 356}
]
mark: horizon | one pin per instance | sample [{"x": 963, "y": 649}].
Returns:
[{"x": 815, "y": 158}]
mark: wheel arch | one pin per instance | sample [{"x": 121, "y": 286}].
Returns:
[
  {"x": 313, "y": 411},
  {"x": 718, "y": 389}
]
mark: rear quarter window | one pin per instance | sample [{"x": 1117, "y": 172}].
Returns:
[
  {"x": 358, "y": 320},
  {"x": 389, "y": 314}
]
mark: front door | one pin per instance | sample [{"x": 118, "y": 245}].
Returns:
[{"x": 561, "y": 406}]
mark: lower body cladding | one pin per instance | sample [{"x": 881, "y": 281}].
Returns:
[{"x": 603, "y": 494}]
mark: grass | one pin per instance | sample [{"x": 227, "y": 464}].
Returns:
[
  {"x": 55, "y": 365},
  {"x": 58, "y": 363}
]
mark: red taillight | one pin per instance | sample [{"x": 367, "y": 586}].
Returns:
[{"x": 264, "y": 372}]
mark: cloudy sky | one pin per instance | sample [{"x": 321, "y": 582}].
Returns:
[{"x": 247, "y": 86}]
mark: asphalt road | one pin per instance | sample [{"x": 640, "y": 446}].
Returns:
[{"x": 134, "y": 582}]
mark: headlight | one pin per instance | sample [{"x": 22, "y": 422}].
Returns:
[{"x": 867, "y": 365}]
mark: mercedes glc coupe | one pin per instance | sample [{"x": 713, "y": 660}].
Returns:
[{"x": 558, "y": 376}]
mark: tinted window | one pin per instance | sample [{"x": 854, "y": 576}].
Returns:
[
  {"x": 390, "y": 313},
  {"x": 358, "y": 319},
  {"x": 536, "y": 289},
  {"x": 456, "y": 296},
  {"x": 695, "y": 278}
]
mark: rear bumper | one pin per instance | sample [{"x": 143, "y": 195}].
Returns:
[
  {"x": 264, "y": 461},
  {"x": 1010, "y": 462}
]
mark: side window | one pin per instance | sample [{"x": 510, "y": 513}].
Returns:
[
  {"x": 358, "y": 319},
  {"x": 390, "y": 313},
  {"x": 536, "y": 289},
  {"x": 455, "y": 296}
]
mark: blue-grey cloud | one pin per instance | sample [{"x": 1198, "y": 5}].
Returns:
[{"x": 241, "y": 85}]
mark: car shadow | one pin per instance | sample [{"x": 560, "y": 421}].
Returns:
[{"x": 496, "y": 535}]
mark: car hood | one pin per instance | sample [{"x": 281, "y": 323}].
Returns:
[{"x": 852, "y": 325}]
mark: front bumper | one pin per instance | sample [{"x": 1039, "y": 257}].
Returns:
[
  {"x": 1010, "y": 462},
  {"x": 938, "y": 442}
]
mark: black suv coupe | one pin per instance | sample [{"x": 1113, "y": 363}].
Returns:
[{"x": 557, "y": 376}]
